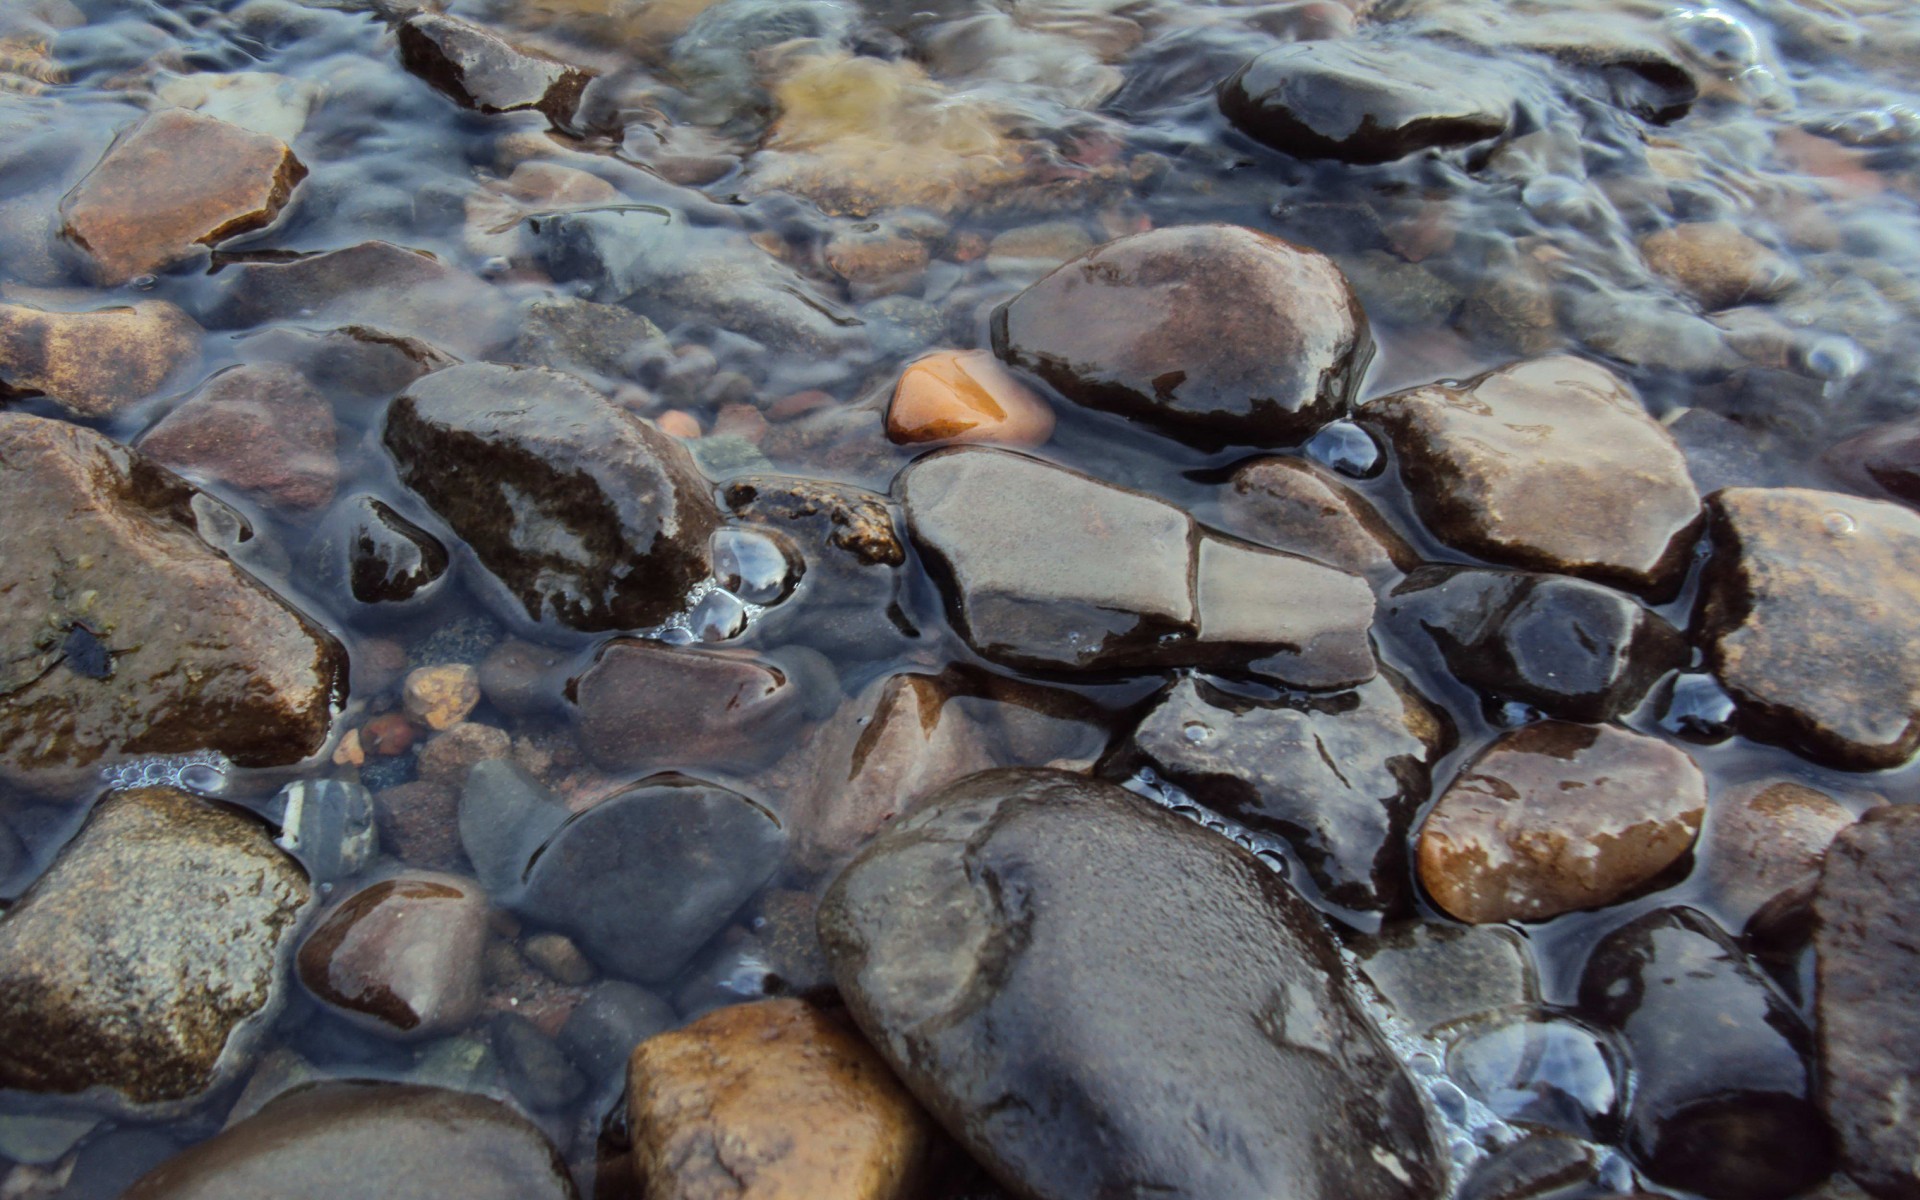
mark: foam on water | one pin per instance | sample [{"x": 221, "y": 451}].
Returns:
[{"x": 203, "y": 772}]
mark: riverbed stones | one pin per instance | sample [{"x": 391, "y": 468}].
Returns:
[
  {"x": 1766, "y": 841},
  {"x": 401, "y": 957},
  {"x": 1550, "y": 464},
  {"x": 1082, "y": 1028},
  {"x": 774, "y": 1100},
  {"x": 1716, "y": 264},
  {"x": 1213, "y": 333},
  {"x": 126, "y": 631},
  {"x": 1437, "y": 976},
  {"x": 1555, "y": 817},
  {"x": 1300, "y": 507},
  {"x": 478, "y": 69},
  {"x": 585, "y": 516},
  {"x": 146, "y": 1006},
  {"x": 1365, "y": 101},
  {"x": 1806, "y": 609},
  {"x": 376, "y": 290},
  {"x": 396, "y": 1141},
  {"x": 367, "y": 554},
  {"x": 1867, "y": 973},
  {"x": 175, "y": 182},
  {"x": 644, "y": 704},
  {"x": 261, "y": 430},
  {"x": 1339, "y": 776},
  {"x": 94, "y": 364},
  {"x": 965, "y": 396},
  {"x": 847, "y": 602},
  {"x": 1046, "y": 568}
]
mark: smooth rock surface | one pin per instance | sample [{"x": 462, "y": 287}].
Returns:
[
  {"x": 1766, "y": 841},
  {"x": 1436, "y": 976},
  {"x": 1716, "y": 264},
  {"x": 1088, "y": 1030},
  {"x": 263, "y": 431},
  {"x": 93, "y": 364},
  {"x": 505, "y": 815},
  {"x": 644, "y": 704},
  {"x": 965, "y": 396},
  {"x": 401, "y": 957},
  {"x": 375, "y": 288},
  {"x": 479, "y": 69},
  {"x": 1298, "y": 506},
  {"x": 1214, "y": 333}
]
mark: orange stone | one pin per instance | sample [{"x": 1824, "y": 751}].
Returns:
[
  {"x": 175, "y": 181},
  {"x": 966, "y": 396}
]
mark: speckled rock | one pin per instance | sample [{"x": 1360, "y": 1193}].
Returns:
[
  {"x": 1806, "y": 608},
  {"x": 451, "y": 753},
  {"x": 1765, "y": 842},
  {"x": 176, "y": 181},
  {"x": 401, "y": 957},
  {"x": 1298, "y": 506},
  {"x": 420, "y": 824},
  {"x": 773, "y": 1100},
  {"x": 1716, "y": 263},
  {"x": 1554, "y": 817},
  {"x": 1081, "y": 1028},
  {"x": 93, "y": 364},
  {"x": 263, "y": 431},
  {"x": 147, "y": 1006},
  {"x": 643, "y": 704},
  {"x": 1215, "y": 333},
  {"x": 965, "y": 396},
  {"x": 481, "y": 70},
  {"x": 1550, "y": 464}
]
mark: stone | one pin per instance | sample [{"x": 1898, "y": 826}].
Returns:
[
  {"x": 262, "y": 101},
  {"x": 369, "y": 555},
  {"x": 785, "y": 926},
  {"x": 401, "y": 957},
  {"x": 1717, "y": 264},
  {"x": 440, "y": 697},
  {"x": 1549, "y": 464},
  {"x": 772, "y": 1100},
  {"x": 1723, "y": 1099},
  {"x": 1572, "y": 649},
  {"x": 876, "y": 260},
  {"x": 176, "y": 181},
  {"x": 127, "y": 632},
  {"x": 1866, "y": 972},
  {"x": 94, "y": 364},
  {"x": 571, "y": 334},
  {"x": 145, "y": 1008},
  {"x": 646, "y": 704},
  {"x": 536, "y": 1068},
  {"x": 1339, "y": 776},
  {"x": 1300, "y": 507},
  {"x": 1554, "y": 817},
  {"x": 584, "y": 515},
  {"x": 1213, "y": 333},
  {"x": 420, "y": 824},
  {"x": 965, "y": 396},
  {"x": 1882, "y": 458},
  {"x": 1762, "y": 853},
  {"x": 1027, "y": 251},
  {"x": 642, "y": 880},
  {"x": 328, "y": 824},
  {"x": 1368, "y": 101},
  {"x": 1539, "y": 1165},
  {"x": 1081, "y": 1028},
  {"x": 397, "y": 1141},
  {"x": 1542, "y": 1071},
  {"x": 448, "y": 756},
  {"x": 392, "y": 296},
  {"x": 505, "y": 815},
  {"x": 263, "y": 431},
  {"x": 557, "y": 955},
  {"x": 1437, "y": 977},
  {"x": 478, "y": 69},
  {"x": 602, "y": 1031},
  {"x": 1806, "y": 622}
]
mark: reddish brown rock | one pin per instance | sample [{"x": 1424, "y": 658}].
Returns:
[
  {"x": 420, "y": 823},
  {"x": 175, "y": 181},
  {"x": 1716, "y": 264},
  {"x": 262, "y": 430},
  {"x": 401, "y": 957},
  {"x": 93, "y": 364},
  {"x": 1765, "y": 844},
  {"x": 965, "y": 396},
  {"x": 1298, "y": 506},
  {"x": 387, "y": 735},
  {"x": 451, "y": 754},
  {"x": 647, "y": 705},
  {"x": 440, "y": 697}
]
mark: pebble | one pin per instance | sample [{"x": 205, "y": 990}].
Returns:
[
  {"x": 448, "y": 756},
  {"x": 965, "y": 396},
  {"x": 614, "y": 1017},
  {"x": 94, "y": 364},
  {"x": 536, "y": 1068},
  {"x": 328, "y": 824},
  {"x": 1437, "y": 977},
  {"x": 557, "y": 955},
  {"x": 441, "y": 697},
  {"x": 1765, "y": 843},
  {"x": 644, "y": 705},
  {"x": 263, "y": 431},
  {"x": 1717, "y": 264},
  {"x": 401, "y": 957},
  {"x": 505, "y": 815},
  {"x": 419, "y": 824},
  {"x": 479, "y": 69}
]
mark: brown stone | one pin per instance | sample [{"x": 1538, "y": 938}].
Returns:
[
  {"x": 1764, "y": 844},
  {"x": 1555, "y": 817},
  {"x": 262, "y": 430},
  {"x": 776, "y": 1101},
  {"x": 1298, "y": 506},
  {"x": 966, "y": 396},
  {"x": 401, "y": 957},
  {"x": 447, "y": 758},
  {"x": 1716, "y": 264},
  {"x": 647, "y": 705},
  {"x": 175, "y": 181},
  {"x": 93, "y": 364},
  {"x": 481, "y": 70},
  {"x": 441, "y": 697},
  {"x": 880, "y": 260},
  {"x": 1550, "y": 464},
  {"x": 387, "y": 735},
  {"x": 420, "y": 823}
]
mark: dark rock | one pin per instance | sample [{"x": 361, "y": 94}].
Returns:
[
  {"x": 395, "y": 1141},
  {"x": 1544, "y": 1072},
  {"x": 1723, "y": 1094},
  {"x": 328, "y": 824},
  {"x": 1367, "y": 101},
  {"x": 603, "y": 1029},
  {"x": 1806, "y": 608},
  {"x": 786, "y": 927},
  {"x": 537, "y": 1070},
  {"x": 1764, "y": 844},
  {"x": 94, "y": 364},
  {"x": 1555, "y": 817},
  {"x": 1550, "y": 464},
  {"x": 1093, "y": 994},
  {"x": 371, "y": 284},
  {"x": 1214, "y": 333},
  {"x": 351, "y": 362},
  {"x": 1573, "y": 649},
  {"x": 505, "y": 816},
  {"x": 193, "y": 654},
  {"x": 479, "y": 69},
  {"x": 420, "y": 824},
  {"x": 366, "y": 550},
  {"x": 261, "y": 430},
  {"x": 1339, "y": 776},
  {"x": 649, "y": 705},
  {"x": 1537, "y": 1166},
  {"x": 401, "y": 957},
  {"x": 585, "y": 515},
  {"x": 147, "y": 1006},
  {"x": 1298, "y": 506},
  {"x": 523, "y": 679},
  {"x": 571, "y": 334},
  {"x": 733, "y": 971},
  {"x": 1883, "y": 457},
  {"x": 1435, "y": 976}
]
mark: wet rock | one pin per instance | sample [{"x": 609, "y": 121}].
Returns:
[
  {"x": 849, "y": 603},
  {"x": 600, "y": 1034},
  {"x": 1573, "y": 649},
  {"x": 148, "y": 1005},
  {"x": 571, "y": 334},
  {"x": 261, "y": 430},
  {"x": 420, "y": 824},
  {"x": 1300, "y": 507},
  {"x": 559, "y": 958},
  {"x": 642, "y": 880},
  {"x": 1550, "y": 464},
  {"x": 1080, "y": 1028},
  {"x": 1436, "y": 976},
  {"x": 537, "y": 1069},
  {"x": 1555, "y": 817},
  {"x": 523, "y": 678},
  {"x": 965, "y": 396},
  {"x": 785, "y": 925},
  {"x": 401, "y": 957},
  {"x": 505, "y": 815},
  {"x": 126, "y": 631},
  {"x": 386, "y": 290},
  {"x": 1544, "y": 1072},
  {"x": 585, "y": 515},
  {"x": 370, "y": 552},
  {"x": 478, "y": 69},
  {"x": 1340, "y": 777},
  {"x": 448, "y": 756},
  {"x": 1805, "y": 610},
  {"x": 772, "y": 1099},
  {"x": 176, "y": 181},
  {"x": 645, "y": 704},
  {"x": 397, "y": 1141},
  {"x": 94, "y": 364},
  {"x": 1884, "y": 456},
  {"x": 1028, "y": 251},
  {"x": 1765, "y": 843},
  {"x": 1215, "y": 333},
  {"x": 1367, "y": 101},
  {"x": 876, "y": 260},
  {"x": 1716, "y": 264},
  {"x": 262, "y": 101},
  {"x": 328, "y": 824},
  {"x": 1867, "y": 972},
  {"x": 440, "y": 697},
  {"x": 351, "y": 362},
  {"x": 1722, "y": 1099},
  {"x": 1540, "y": 1165}
]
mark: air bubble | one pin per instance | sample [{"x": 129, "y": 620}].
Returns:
[
  {"x": 1346, "y": 448},
  {"x": 1839, "y": 524},
  {"x": 718, "y": 617},
  {"x": 1715, "y": 38},
  {"x": 1833, "y": 358},
  {"x": 203, "y": 772},
  {"x": 751, "y": 565},
  {"x": 1197, "y": 732}
]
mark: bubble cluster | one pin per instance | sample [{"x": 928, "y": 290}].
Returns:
[{"x": 203, "y": 772}]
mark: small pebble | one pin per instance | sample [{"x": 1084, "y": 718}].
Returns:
[{"x": 441, "y": 697}]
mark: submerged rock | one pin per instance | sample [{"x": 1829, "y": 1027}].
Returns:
[
  {"x": 262, "y": 430},
  {"x": 648, "y": 705},
  {"x": 1093, "y": 994},
  {"x": 365, "y": 550},
  {"x": 583, "y": 514},
  {"x": 401, "y": 957},
  {"x": 1437, "y": 976},
  {"x": 1716, "y": 264},
  {"x": 94, "y": 364},
  {"x": 1214, "y": 333},
  {"x": 479, "y": 69},
  {"x": 142, "y": 968},
  {"x": 1301, "y": 507},
  {"x": 1765, "y": 843},
  {"x": 367, "y": 288},
  {"x": 965, "y": 396}
]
